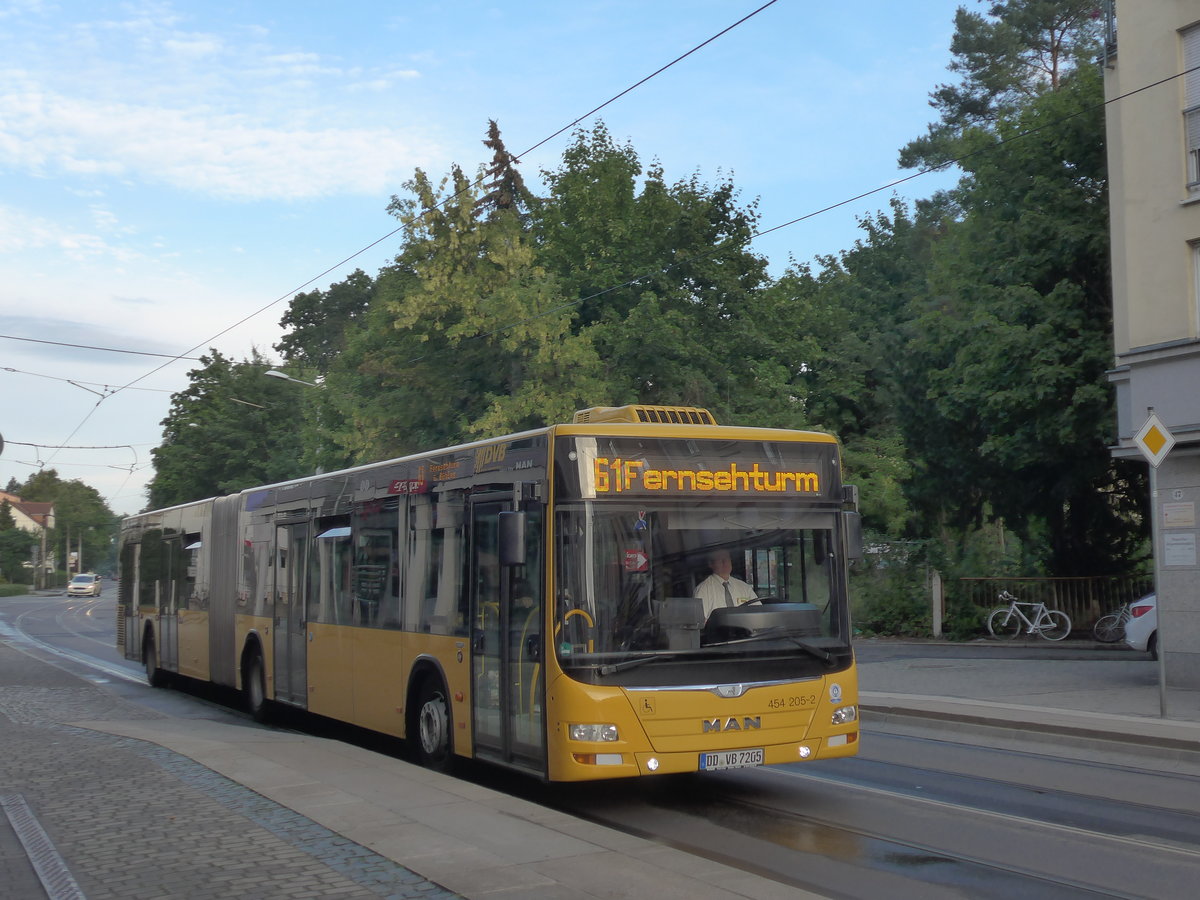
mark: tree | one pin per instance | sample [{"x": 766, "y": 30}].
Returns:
[
  {"x": 16, "y": 551},
  {"x": 319, "y": 321},
  {"x": 83, "y": 521},
  {"x": 839, "y": 332},
  {"x": 1018, "y": 51},
  {"x": 1010, "y": 414},
  {"x": 506, "y": 190},
  {"x": 468, "y": 334},
  {"x": 505, "y": 311},
  {"x": 661, "y": 275},
  {"x": 230, "y": 429},
  {"x": 15, "y": 547}
]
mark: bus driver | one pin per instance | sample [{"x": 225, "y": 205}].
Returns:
[{"x": 721, "y": 588}]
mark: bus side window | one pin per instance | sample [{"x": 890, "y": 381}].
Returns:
[
  {"x": 425, "y": 568},
  {"x": 332, "y": 597},
  {"x": 433, "y": 587},
  {"x": 376, "y": 564}
]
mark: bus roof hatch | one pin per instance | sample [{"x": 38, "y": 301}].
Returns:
[{"x": 664, "y": 415}]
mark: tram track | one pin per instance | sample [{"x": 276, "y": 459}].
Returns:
[
  {"x": 21, "y": 633},
  {"x": 983, "y": 837},
  {"x": 812, "y": 852}
]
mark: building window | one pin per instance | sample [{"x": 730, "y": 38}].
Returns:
[
  {"x": 1195, "y": 246},
  {"x": 1191, "y": 104}
]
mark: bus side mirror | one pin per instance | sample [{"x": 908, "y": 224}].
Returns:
[
  {"x": 512, "y": 538},
  {"x": 854, "y": 534}
]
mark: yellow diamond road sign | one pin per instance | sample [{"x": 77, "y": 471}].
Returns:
[{"x": 1154, "y": 440}]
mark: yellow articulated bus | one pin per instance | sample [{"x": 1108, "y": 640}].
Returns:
[{"x": 639, "y": 592}]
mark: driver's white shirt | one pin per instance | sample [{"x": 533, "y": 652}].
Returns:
[{"x": 712, "y": 592}]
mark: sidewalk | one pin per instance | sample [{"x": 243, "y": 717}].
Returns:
[
  {"x": 106, "y": 799},
  {"x": 1114, "y": 696}
]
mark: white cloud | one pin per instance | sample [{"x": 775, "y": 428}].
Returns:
[
  {"x": 16, "y": 8},
  {"x": 22, "y": 232},
  {"x": 200, "y": 150},
  {"x": 141, "y": 97},
  {"x": 193, "y": 48}
]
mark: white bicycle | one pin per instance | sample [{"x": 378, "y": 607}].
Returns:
[{"x": 1029, "y": 618}]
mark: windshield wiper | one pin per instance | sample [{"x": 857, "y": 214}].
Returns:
[
  {"x": 633, "y": 663},
  {"x": 781, "y": 632}
]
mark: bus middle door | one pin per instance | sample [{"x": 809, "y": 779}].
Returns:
[
  {"x": 168, "y": 607},
  {"x": 291, "y": 650}
]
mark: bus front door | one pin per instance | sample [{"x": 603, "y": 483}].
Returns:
[
  {"x": 506, "y": 614},
  {"x": 291, "y": 651}
]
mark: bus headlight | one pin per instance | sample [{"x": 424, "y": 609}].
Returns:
[
  {"x": 845, "y": 715},
  {"x": 593, "y": 732}
]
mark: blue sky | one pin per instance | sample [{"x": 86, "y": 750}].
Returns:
[{"x": 168, "y": 168}]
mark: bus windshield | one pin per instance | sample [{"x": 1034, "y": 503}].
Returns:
[{"x": 644, "y": 588}]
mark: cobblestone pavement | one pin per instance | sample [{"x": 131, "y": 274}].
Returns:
[{"x": 128, "y": 820}]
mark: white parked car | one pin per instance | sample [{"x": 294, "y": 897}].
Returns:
[
  {"x": 1141, "y": 631},
  {"x": 87, "y": 584}
]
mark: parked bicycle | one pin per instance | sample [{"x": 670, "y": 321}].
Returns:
[
  {"x": 1111, "y": 628},
  {"x": 1021, "y": 616}
]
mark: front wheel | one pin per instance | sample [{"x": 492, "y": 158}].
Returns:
[
  {"x": 1108, "y": 629},
  {"x": 1004, "y": 623},
  {"x": 1055, "y": 626},
  {"x": 432, "y": 745}
]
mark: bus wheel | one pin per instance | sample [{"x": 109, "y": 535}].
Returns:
[
  {"x": 433, "y": 726},
  {"x": 155, "y": 677},
  {"x": 255, "y": 686}
]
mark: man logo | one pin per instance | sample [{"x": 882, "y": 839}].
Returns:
[{"x": 749, "y": 723}]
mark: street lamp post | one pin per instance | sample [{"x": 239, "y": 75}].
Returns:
[
  {"x": 275, "y": 373},
  {"x": 284, "y": 376}
]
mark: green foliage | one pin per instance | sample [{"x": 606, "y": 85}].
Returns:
[
  {"x": 319, "y": 321},
  {"x": 487, "y": 322},
  {"x": 664, "y": 289},
  {"x": 13, "y": 590},
  {"x": 1018, "y": 51},
  {"x": 83, "y": 521},
  {"x": 889, "y": 591},
  {"x": 16, "y": 549},
  {"x": 991, "y": 548},
  {"x": 230, "y": 429},
  {"x": 879, "y": 466},
  {"x": 891, "y": 588},
  {"x": 1011, "y": 411}
]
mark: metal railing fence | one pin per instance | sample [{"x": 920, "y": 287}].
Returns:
[{"x": 1083, "y": 599}]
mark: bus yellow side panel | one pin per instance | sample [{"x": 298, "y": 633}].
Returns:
[
  {"x": 379, "y": 676},
  {"x": 193, "y": 643},
  {"x": 454, "y": 654},
  {"x": 330, "y": 674}
]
